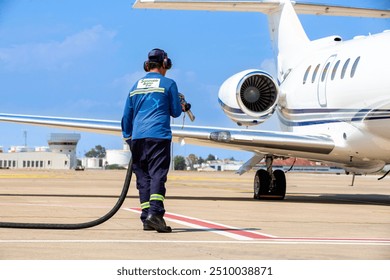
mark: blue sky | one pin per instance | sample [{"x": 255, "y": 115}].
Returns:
[{"x": 79, "y": 58}]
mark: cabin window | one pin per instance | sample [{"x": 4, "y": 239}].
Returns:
[
  {"x": 315, "y": 73},
  {"x": 323, "y": 76},
  {"x": 306, "y": 74},
  {"x": 344, "y": 68},
  {"x": 335, "y": 69},
  {"x": 355, "y": 64}
]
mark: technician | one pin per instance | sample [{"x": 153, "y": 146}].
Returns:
[{"x": 146, "y": 128}]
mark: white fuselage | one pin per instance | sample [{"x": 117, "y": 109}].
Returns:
[{"x": 338, "y": 90}]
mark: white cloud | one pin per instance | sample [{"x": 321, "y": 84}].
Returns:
[
  {"x": 126, "y": 81},
  {"x": 55, "y": 54},
  {"x": 184, "y": 76}
]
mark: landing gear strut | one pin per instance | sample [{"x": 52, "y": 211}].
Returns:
[{"x": 269, "y": 184}]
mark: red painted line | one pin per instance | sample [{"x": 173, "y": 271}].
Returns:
[
  {"x": 259, "y": 236},
  {"x": 213, "y": 226}
]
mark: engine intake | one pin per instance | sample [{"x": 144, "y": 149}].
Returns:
[
  {"x": 258, "y": 93},
  {"x": 249, "y": 97}
]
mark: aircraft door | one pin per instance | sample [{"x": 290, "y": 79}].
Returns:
[{"x": 323, "y": 77}]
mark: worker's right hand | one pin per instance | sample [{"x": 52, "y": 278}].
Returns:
[{"x": 185, "y": 107}]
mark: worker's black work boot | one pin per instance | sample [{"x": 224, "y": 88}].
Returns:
[
  {"x": 147, "y": 227},
  {"x": 157, "y": 222}
]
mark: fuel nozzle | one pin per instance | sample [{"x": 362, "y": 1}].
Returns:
[{"x": 186, "y": 107}]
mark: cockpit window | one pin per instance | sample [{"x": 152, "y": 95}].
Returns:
[
  {"x": 344, "y": 68},
  {"x": 306, "y": 74},
  {"x": 355, "y": 64}
]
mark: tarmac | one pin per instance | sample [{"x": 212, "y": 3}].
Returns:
[{"x": 213, "y": 216}]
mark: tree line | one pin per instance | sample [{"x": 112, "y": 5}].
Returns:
[{"x": 179, "y": 162}]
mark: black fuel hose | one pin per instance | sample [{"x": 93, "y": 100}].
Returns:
[{"x": 93, "y": 223}]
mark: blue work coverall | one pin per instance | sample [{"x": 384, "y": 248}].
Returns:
[{"x": 146, "y": 128}]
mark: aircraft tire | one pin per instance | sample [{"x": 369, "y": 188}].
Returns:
[
  {"x": 262, "y": 188},
  {"x": 261, "y": 184},
  {"x": 279, "y": 190}
]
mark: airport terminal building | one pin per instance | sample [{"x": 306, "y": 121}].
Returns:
[{"x": 60, "y": 154}]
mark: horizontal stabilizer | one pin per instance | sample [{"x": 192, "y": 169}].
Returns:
[{"x": 266, "y": 7}]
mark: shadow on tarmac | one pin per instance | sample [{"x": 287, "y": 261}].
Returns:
[
  {"x": 355, "y": 199},
  {"x": 179, "y": 230}
]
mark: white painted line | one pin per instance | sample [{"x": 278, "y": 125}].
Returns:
[
  {"x": 271, "y": 241},
  {"x": 246, "y": 235},
  {"x": 239, "y": 235}
]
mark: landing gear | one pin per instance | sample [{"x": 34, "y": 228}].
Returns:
[{"x": 269, "y": 184}]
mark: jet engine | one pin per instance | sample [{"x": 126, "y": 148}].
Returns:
[{"x": 249, "y": 97}]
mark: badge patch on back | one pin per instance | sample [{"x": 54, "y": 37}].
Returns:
[{"x": 148, "y": 83}]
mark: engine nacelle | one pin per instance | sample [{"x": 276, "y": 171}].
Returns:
[{"x": 249, "y": 97}]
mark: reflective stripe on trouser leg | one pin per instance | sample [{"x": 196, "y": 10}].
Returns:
[
  {"x": 156, "y": 196},
  {"x": 157, "y": 204},
  {"x": 145, "y": 205},
  {"x": 145, "y": 210}
]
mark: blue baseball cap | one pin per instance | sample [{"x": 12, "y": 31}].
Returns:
[{"x": 157, "y": 55}]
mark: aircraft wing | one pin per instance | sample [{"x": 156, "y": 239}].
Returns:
[
  {"x": 259, "y": 142},
  {"x": 266, "y": 7},
  {"x": 88, "y": 125}
]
